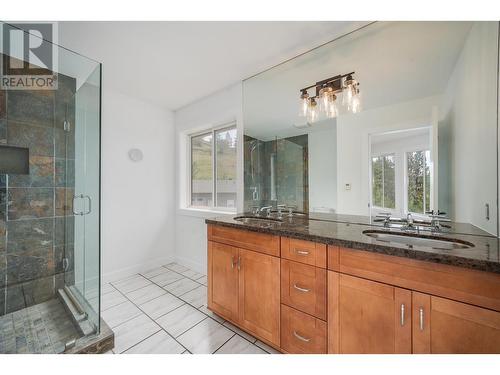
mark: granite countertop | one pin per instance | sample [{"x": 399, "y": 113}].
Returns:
[{"x": 484, "y": 255}]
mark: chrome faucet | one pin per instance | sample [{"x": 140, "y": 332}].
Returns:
[
  {"x": 409, "y": 222},
  {"x": 267, "y": 209},
  {"x": 437, "y": 217},
  {"x": 281, "y": 207}
]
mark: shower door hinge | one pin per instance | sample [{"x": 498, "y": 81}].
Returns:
[
  {"x": 67, "y": 126},
  {"x": 65, "y": 264}
]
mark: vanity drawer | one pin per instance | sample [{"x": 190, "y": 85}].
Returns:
[
  {"x": 306, "y": 252},
  {"x": 302, "y": 333},
  {"x": 260, "y": 242},
  {"x": 304, "y": 288}
]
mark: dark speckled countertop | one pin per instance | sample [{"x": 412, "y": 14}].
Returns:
[{"x": 484, "y": 256}]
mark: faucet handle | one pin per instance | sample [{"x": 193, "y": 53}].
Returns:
[
  {"x": 255, "y": 210},
  {"x": 435, "y": 213}
]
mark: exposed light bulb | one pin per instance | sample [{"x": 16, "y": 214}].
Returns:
[
  {"x": 312, "y": 113},
  {"x": 332, "y": 110},
  {"x": 355, "y": 106},
  {"x": 325, "y": 97},
  {"x": 304, "y": 103}
]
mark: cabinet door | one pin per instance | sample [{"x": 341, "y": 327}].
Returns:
[
  {"x": 371, "y": 317},
  {"x": 444, "y": 326},
  {"x": 223, "y": 279},
  {"x": 259, "y": 294}
]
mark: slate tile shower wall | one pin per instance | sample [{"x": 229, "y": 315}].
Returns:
[
  {"x": 289, "y": 172},
  {"x": 36, "y": 222}
]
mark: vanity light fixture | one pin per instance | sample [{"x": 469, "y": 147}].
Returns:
[{"x": 327, "y": 92}]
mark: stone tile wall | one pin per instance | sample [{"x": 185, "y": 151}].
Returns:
[{"x": 36, "y": 224}]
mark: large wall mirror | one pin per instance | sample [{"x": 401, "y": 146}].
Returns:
[{"x": 396, "y": 117}]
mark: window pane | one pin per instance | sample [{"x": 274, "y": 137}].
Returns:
[
  {"x": 377, "y": 182},
  {"x": 416, "y": 170},
  {"x": 427, "y": 181},
  {"x": 389, "y": 182},
  {"x": 201, "y": 170},
  {"x": 225, "y": 143}
]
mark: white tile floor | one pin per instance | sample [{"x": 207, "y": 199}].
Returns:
[{"x": 164, "y": 311}]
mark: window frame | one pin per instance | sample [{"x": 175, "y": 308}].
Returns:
[{"x": 212, "y": 130}]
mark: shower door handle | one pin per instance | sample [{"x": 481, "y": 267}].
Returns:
[
  {"x": 90, "y": 204},
  {"x": 81, "y": 213},
  {"x": 75, "y": 197}
]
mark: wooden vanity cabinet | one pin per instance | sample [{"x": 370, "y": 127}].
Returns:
[
  {"x": 443, "y": 326},
  {"x": 368, "y": 317},
  {"x": 244, "y": 285},
  {"x": 304, "y": 297}
]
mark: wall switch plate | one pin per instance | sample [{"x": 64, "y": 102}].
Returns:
[{"x": 348, "y": 186}]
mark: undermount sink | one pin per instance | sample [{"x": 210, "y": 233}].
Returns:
[
  {"x": 257, "y": 219},
  {"x": 418, "y": 240}
]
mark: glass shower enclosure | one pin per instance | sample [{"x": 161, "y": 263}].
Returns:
[{"x": 49, "y": 195}]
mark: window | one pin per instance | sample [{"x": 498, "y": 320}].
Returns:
[
  {"x": 213, "y": 169},
  {"x": 383, "y": 181},
  {"x": 418, "y": 172}
]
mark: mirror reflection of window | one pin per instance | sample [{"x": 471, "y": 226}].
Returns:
[
  {"x": 418, "y": 189},
  {"x": 383, "y": 181}
]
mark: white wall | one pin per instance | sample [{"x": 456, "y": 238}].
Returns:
[
  {"x": 323, "y": 169},
  {"x": 190, "y": 228},
  {"x": 352, "y": 146},
  {"x": 470, "y": 97},
  {"x": 137, "y": 197}
]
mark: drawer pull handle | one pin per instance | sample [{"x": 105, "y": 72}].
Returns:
[
  {"x": 301, "y": 338},
  {"x": 302, "y": 252},
  {"x": 304, "y": 290},
  {"x": 421, "y": 318},
  {"x": 402, "y": 314}
]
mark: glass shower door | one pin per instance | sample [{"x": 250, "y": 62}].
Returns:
[{"x": 86, "y": 200}]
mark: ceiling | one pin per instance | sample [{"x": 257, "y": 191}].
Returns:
[
  {"x": 172, "y": 64},
  {"x": 393, "y": 61}
]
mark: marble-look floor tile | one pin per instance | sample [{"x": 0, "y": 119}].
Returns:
[
  {"x": 204, "y": 309},
  {"x": 159, "y": 343},
  {"x": 196, "y": 297},
  {"x": 176, "y": 267},
  {"x": 107, "y": 288},
  {"x": 161, "y": 305},
  {"x": 266, "y": 347},
  {"x": 202, "y": 280},
  {"x": 182, "y": 286},
  {"x": 240, "y": 332},
  {"x": 205, "y": 337},
  {"x": 112, "y": 299},
  {"x": 130, "y": 284},
  {"x": 120, "y": 313},
  {"x": 238, "y": 345},
  {"x": 166, "y": 278},
  {"x": 145, "y": 294},
  {"x": 192, "y": 274},
  {"x": 154, "y": 272},
  {"x": 180, "y": 320},
  {"x": 132, "y": 332}
]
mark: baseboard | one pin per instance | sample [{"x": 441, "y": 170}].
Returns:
[
  {"x": 189, "y": 263},
  {"x": 129, "y": 271}
]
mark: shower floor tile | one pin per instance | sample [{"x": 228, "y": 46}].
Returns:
[
  {"x": 42, "y": 329},
  {"x": 174, "y": 320}
]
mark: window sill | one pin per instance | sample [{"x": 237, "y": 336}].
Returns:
[{"x": 203, "y": 213}]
